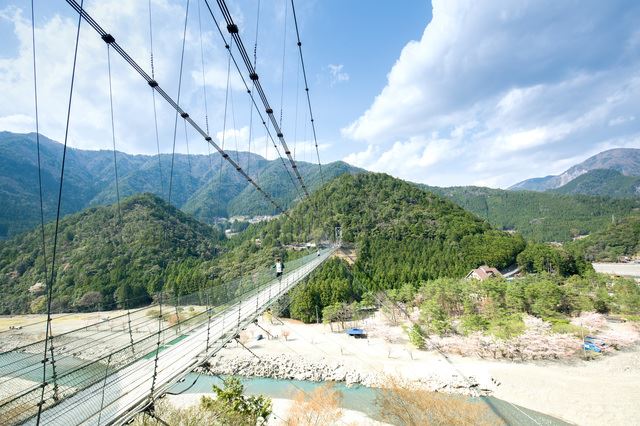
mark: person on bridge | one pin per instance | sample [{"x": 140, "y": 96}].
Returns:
[{"x": 279, "y": 267}]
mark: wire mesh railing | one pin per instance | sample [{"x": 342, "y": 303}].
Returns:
[{"x": 87, "y": 357}]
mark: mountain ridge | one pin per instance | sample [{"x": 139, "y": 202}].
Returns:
[
  {"x": 607, "y": 182},
  {"x": 211, "y": 193},
  {"x": 540, "y": 216},
  {"x": 626, "y": 161},
  {"x": 202, "y": 185}
]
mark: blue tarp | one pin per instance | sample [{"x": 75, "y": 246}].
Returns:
[{"x": 594, "y": 344}]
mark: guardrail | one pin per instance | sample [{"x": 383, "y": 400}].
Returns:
[{"x": 111, "y": 386}]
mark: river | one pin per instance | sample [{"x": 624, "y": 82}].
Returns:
[{"x": 357, "y": 398}]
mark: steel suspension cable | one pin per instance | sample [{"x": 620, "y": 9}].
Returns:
[
  {"x": 232, "y": 28},
  {"x": 204, "y": 88},
  {"x": 48, "y": 342},
  {"x": 224, "y": 119},
  {"x": 119, "y": 221},
  {"x": 250, "y": 138},
  {"x": 306, "y": 88},
  {"x": 173, "y": 155},
  {"x": 37, "y": 119},
  {"x": 295, "y": 121},
  {"x": 284, "y": 53},
  {"x": 250, "y": 93},
  {"x": 113, "y": 138},
  {"x": 186, "y": 141},
  {"x": 154, "y": 84},
  {"x": 175, "y": 124},
  {"x": 255, "y": 60},
  {"x": 153, "y": 95},
  {"x": 282, "y": 71},
  {"x": 115, "y": 169},
  {"x": 44, "y": 252},
  {"x": 235, "y": 129}
]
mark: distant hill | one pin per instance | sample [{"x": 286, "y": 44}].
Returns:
[
  {"x": 199, "y": 186},
  {"x": 626, "y": 161},
  {"x": 603, "y": 182},
  {"x": 621, "y": 238},
  {"x": 402, "y": 234},
  {"x": 202, "y": 190},
  {"x": 97, "y": 253},
  {"x": 540, "y": 216}
]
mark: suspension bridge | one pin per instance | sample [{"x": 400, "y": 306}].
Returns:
[
  {"x": 159, "y": 345},
  {"x": 108, "y": 371}
]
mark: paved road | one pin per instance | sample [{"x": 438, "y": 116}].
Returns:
[
  {"x": 622, "y": 269},
  {"x": 130, "y": 387}
]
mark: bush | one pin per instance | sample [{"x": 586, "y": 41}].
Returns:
[
  {"x": 318, "y": 407},
  {"x": 563, "y": 326},
  {"x": 544, "y": 297},
  {"x": 626, "y": 296},
  {"x": 234, "y": 407},
  {"x": 416, "y": 337},
  {"x": 413, "y": 406},
  {"x": 39, "y": 305},
  {"x": 152, "y": 313},
  {"x": 506, "y": 327},
  {"x": 473, "y": 322},
  {"x": 90, "y": 300},
  {"x": 435, "y": 318}
]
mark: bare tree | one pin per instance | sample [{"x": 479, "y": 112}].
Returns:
[
  {"x": 322, "y": 406},
  {"x": 414, "y": 406}
]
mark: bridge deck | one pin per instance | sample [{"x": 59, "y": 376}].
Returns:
[{"x": 116, "y": 399}]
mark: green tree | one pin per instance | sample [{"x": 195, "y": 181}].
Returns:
[
  {"x": 416, "y": 337},
  {"x": 39, "y": 305},
  {"x": 237, "y": 408},
  {"x": 544, "y": 297},
  {"x": 435, "y": 318}
]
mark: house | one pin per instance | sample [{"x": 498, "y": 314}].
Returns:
[{"x": 483, "y": 272}]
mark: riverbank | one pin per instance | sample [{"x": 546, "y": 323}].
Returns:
[
  {"x": 281, "y": 409},
  {"x": 319, "y": 369},
  {"x": 576, "y": 391},
  {"x": 541, "y": 371}
]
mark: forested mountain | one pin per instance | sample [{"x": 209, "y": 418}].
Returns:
[
  {"x": 603, "y": 182},
  {"x": 199, "y": 186},
  {"x": 540, "y": 216},
  {"x": 101, "y": 260},
  {"x": 402, "y": 235},
  {"x": 626, "y": 161},
  {"x": 201, "y": 189},
  {"x": 621, "y": 238}
]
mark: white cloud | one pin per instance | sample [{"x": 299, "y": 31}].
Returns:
[
  {"x": 408, "y": 160},
  {"x": 518, "y": 86},
  {"x": 337, "y": 75},
  {"x": 303, "y": 150},
  {"x": 233, "y": 138},
  {"x": 18, "y": 123},
  {"x": 621, "y": 120},
  {"x": 128, "y": 23}
]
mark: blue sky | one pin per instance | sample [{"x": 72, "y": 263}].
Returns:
[{"x": 451, "y": 93}]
